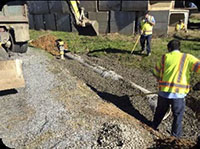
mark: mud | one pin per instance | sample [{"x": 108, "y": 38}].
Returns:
[{"x": 128, "y": 99}]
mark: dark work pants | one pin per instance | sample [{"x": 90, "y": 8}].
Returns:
[
  {"x": 146, "y": 39},
  {"x": 178, "y": 107}
]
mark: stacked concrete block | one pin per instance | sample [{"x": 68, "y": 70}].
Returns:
[
  {"x": 31, "y": 21},
  {"x": 58, "y": 7},
  {"x": 39, "y": 22},
  {"x": 89, "y": 6},
  {"x": 102, "y": 18},
  {"x": 121, "y": 16},
  {"x": 49, "y": 22},
  {"x": 122, "y": 22},
  {"x": 38, "y": 7},
  {"x": 109, "y": 5},
  {"x": 63, "y": 22},
  {"x": 134, "y": 5}
]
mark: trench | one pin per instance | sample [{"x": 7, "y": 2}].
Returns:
[{"x": 125, "y": 95}]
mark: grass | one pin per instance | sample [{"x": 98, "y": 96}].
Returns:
[{"x": 118, "y": 47}]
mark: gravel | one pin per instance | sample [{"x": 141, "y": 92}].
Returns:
[{"x": 57, "y": 110}]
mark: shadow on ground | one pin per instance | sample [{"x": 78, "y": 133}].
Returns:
[
  {"x": 114, "y": 51},
  {"x": 193, "y": 25},
  {"x": 186, "y": 38},
  {"x": 122, "y": 102},
  {"x": 2, "y": 145},
  {"x": 8, "y": 92}
]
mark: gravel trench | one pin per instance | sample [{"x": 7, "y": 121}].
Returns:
[
  {"x": 127, "y": 98},
  {"x": 58, "y": 110}
]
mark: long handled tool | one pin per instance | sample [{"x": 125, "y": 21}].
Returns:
[{"x": 135, "y": 44}]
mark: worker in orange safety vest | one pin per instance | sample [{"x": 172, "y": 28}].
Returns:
[{"x": 173, "y": 74}]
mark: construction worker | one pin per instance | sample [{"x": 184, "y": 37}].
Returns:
[
  {"x": 173, "y": 75},
  {"x": 146, "y": 28},
  {"x": 180, "y": 26}
]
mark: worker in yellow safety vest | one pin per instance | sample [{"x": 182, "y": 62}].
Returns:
[
  {"x": 180, "y": 26},
  {"x": 146, "y": 30},
  {"x": 173, "y": 75}
]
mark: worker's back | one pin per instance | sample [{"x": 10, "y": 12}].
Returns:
[{"x": 176, "y": 71}]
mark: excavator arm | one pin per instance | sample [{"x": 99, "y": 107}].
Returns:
[{"x": 81, "y": 22}]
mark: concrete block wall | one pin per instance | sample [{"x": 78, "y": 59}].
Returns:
[
  {"x": 49, "y": 15},
  {"x": 113, "y": 16}
]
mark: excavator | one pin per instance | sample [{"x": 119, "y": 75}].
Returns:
[{"x": 83, "y": 25}]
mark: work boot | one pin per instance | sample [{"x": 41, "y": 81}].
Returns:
[
  {"x": 142, "y": 51},
  {"x": 149, "y": 54}
]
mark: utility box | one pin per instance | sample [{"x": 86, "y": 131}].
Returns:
[{"x": 14, "y": 26}]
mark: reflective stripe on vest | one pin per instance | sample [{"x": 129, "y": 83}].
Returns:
[
  {"x": 182, "y": 62},
  {"x": 196, "y": 66}
]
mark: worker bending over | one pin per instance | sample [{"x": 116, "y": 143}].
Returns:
[
  {"x": 180, "y": 26},
  {"x": 173, "y": 75},
  {"x": 146, "y": 28}
]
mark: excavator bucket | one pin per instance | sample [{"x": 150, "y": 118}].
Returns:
[
  {"x": 11, "y": 74},
  {"x": 91, "y": 29}
]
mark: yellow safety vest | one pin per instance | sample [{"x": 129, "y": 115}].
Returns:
[
  {"x": 146, "y": 27},
  {"x": 180, "y": 27},
  {"x": 173, "y": 72}
]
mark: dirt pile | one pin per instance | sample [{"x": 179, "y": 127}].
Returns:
[
  {"x": 174, "y": 143},
  {"x": 48, "y": 43}
]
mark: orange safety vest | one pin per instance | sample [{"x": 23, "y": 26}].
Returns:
[{"x": 173, "y": 72}]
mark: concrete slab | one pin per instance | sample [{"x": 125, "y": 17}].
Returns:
[
  {"x": 63, "y": 22},
  {"x": 89, "y": 5},
  {"x": 160, "y": 5},
  {"x": 38, "y": 7},
  {"x": 58, "y": 7},
  {"x": 102, "y": 18},
  {"x": 122, "y": 22},
  {"x": 39, "y": 22},
  {"x": 49, "y": 22},
  {"x": 31, "y": 21},
  {"x": 109, "y": 5},
  {"x": 134, "y": 5}
]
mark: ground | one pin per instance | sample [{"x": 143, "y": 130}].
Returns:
[{"x": 67, "y": 105}]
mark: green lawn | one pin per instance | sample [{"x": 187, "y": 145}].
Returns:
[{"x": 118, "y": 47}]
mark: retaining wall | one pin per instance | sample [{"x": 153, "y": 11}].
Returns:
[{"x": 113, "y": 16}]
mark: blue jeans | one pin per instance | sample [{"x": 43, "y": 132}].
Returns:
[
  {"x": 178, "y": 107},
  {"x": 147, "y": 39}
]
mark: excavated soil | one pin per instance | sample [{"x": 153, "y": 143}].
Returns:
[{"x": 127, "y": 99}]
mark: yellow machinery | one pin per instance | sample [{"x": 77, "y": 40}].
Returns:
[{"x": 82, "y": 23}]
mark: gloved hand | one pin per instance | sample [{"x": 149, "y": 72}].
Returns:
[{"x": 196, "y": 87}]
